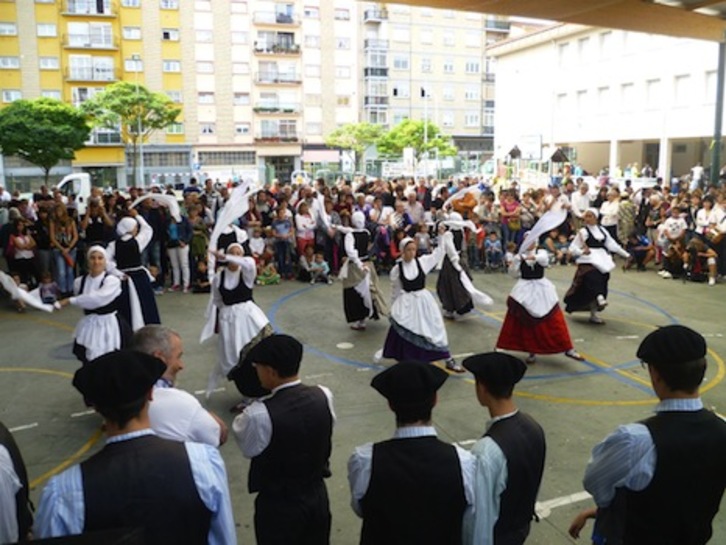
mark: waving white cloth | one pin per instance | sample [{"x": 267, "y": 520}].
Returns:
[
  {"x": 476, "y": 190},
  {"x": 479, "y": 298},
  {"x": 165, "y": 200},
  {"x": 19, "y": 294},
  {"x": 551, "y": 219}
]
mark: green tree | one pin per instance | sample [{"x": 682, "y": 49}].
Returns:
[
  {"x": 42, "y": 131},
  {"x": 420, "y": 135},
  {"x": 356, "y": 137},
  {"x": 132, "y": 109}
]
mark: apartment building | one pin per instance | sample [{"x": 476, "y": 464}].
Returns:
[{"x": 261, "y": 82}]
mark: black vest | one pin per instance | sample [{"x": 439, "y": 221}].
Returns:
[
  {"x": 299, "y": 450},
  {"x": 225, "y": 239},
  {"x": 415, "y": 494},
  {"x": 240, "y": 294},
  {"x": 24, "y": 508},
  {"x": 458, "y": 236},
  {"x": 361, "y": 239},
  {"x": 95, "y": 230},
  {"x": 531, "y": 272},
  {"x": 523, "y": 443},
  {"x": 592, "y": 242},
  {"x": 678, "y": 505},
  {"x": 145, "y": 483},
  {"x": 418, "y": 283},
  {"x": 128, "y": 255},
  {"x": 106, "y": 309}
]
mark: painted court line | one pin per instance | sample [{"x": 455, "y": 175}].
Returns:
[
  {"x": 466, "y": 442},
  {"x": 200, "y": 392},
  {"x": 320, "y": 375},
  {"x": 25, "y": 427},
  {"x": 82, "y": 413},
  {"x": 544, "y": 508},
  {"x": 621, "y": 337}
]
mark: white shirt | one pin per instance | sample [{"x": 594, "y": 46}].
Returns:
[
  {"x": 178, "y": 415},
  {"x": 609, "y": 213},
  {"x": 9, "y": 486},
  {"x": 580, "y": 203}
]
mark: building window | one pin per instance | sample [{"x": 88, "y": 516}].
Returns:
[
  {"x": 473, "y": 66},
  {"x": 203, "y": 35},
  {"x": 51, "y": 93},
  {"x": 654, "y": 94},
  {"x": 472, "y": 119},
  {"x": 342, "y": 72},
  {"x": 202, "y": 5},
  {"x": 47, "y": 30},
  {"x": 449, "y": 39},
  {"x": 473, "y": 39},
  {"x": 10, "y": 63},
  {"x": 342, "y": 43},
  {"x": 447, "y": 119},
  {"x": 238, "y": 6},
  {"x": 314, "y": 129},
  {"x": 401, "y": 34},
  {"x": 8, "y": 29},
  {"x": 312, "y": 70},
  {"x": 312, "y": 99},
  {"x": 131, "y": 33},
  {"x": 606, "y": 44},
  {"x": 583, "y": 49},
  {"x": 175, "y": 128},
  {"x": 312, "y": 42},
  {"x": 311, "y": 12},
  {"x": 627, "y": 96},
  {"x": 175, "y": 96},
  {"x": 448, "y": 92},
  {"x": 426, "y": 64},
  {"x": 449, "y": 66},
  {"x": 401, "y": 89},
  {"x": 11, "y": 95},
  {"x": 682, "y": 90},
  {"x": 170, "y": 34},
  {"x": 170, "y": 66},
  {"x": 343, "y": 100},
  {"x": 401, "y": 62},
  {"x": 131, "y": 3},
  {"x": 563, "y": 55},
  {"x": 169, "y": 4},
  {"x": 472, "y": 93},
  {"x": 240, "y": 37},
  {"x": 426, "y": 36},
  {"x": 227, "y": 157},
  {"x": 242, "y": 128},
  {"x": 240, "y": 68},
  {"x": 342, "y": 14},
  {"x": 49, "y": 63},
  {"x": 133, "y": 65},
  {"x": 603, "y": 99},
  {"x": 206, "y": 128},
  {"x": 205, "y": 67},
  {"x": 205, "y": 98},
  {"x": 241, "y": 99}
]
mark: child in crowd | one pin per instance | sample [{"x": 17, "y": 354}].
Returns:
[
  {"x": 48, "y": 290},
  {"x": 641, "y": 251},
  {"x": 423, "y": 240},
  {"x": 493, "y": 250},
  {"x": 18, "y": 303},
  {"x": 509, "y": 256},
  {"x": 562, "y": 249},
  {"x": 268, "y": 275},
  {"x": 201, "y": 278},
  {"x": 320, "y": 270}
]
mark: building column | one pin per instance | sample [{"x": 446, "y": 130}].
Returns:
[
  {"x": 614, "y": 159},
  {"x": 664, "y": 159}
]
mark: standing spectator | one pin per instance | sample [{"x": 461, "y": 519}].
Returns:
[
  {"x": 16, "y": 510},
  {"x": 509, "y": 215},
  {"x": 667, "y": 470},
  {"x": 304, "y": 228},
  {"x": 509, "y": 458},
  {"x": 580, "y": 202},
  {"x": 697, "y": 172},
  {"x": 413, "y": 488},
  {"x": 199, "y": 244},
  {"x": 96, "y": 223},
  {"x": 23, "y": 246},
  {"x": 63, "y": 239},
  {"x": 179, "y": 235},
  {"x": 288, "y": 466},
  {"x": 41, "y": 234},
  {"x": 284, "y": 235},
  {"x": 610, "y": 211}
]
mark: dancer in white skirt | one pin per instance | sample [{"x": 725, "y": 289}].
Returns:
[
  {"x": 241, "y": 324},
  {"x": 102, "y": 329},
  {"x": 417, "y": 329}
]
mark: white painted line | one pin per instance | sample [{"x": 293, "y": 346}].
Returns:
[
  {"x": 363, "y": 369},
  {"x": 83, "y": 413},
  {"x": 200, "y": 392},
  {"x": 544, "y": 508},
  {"x": 712, "y": 334},
  {"x": 344, "y": 346},
  {"x": 578, "y": 340},
  {"x": 25, "y": 427},
  {"x": 621, "y": 337},
  {"x": 320, "y": 375},
  {"x": 465, "y": 355}
]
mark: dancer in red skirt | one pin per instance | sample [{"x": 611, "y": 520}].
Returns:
[{"x": 534, "y": 322}]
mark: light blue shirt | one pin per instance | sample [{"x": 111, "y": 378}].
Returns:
[
  {"x": 627, "y": 457},
  {"x": 62, "y": 511},
  {"x": 489, "y": 484}
]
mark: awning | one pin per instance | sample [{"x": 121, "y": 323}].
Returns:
[{"x": 320, "y": 156}]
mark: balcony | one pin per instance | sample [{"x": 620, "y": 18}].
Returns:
[
  {"x": 370, "y": 72},
  {"x": 375, "y": 101},
  {"x": 375, "y": 15},
  {"x": 104, "y": 137},
  {"x": 275, "y": 78},
  {"x": 494, "y": 25},
  {"x": 277, "y": 138},
  {"x": 86, "y": 41},
  {"x": 86, "y": 73},
  {"x": 489, "y": 78},
  {"x": 89, "y": 8},
  {"x": 374, "y": 43},
  {"x": 487, "y": 130},
  {"x": 272, "y": 108},
  {"x": 272, "y": 18},
  {"x": 263, "y": 48}
]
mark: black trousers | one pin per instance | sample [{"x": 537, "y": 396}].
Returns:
[{"x": 300, "y": 517}]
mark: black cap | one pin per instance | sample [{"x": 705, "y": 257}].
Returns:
[
  {"x": 118, "y": 377},
  {"x": 496, "y": 368},
  {"x": 281, "y": 352},
  {"x": 409, "y": 381},
  {"x": 672, "y": 345}
]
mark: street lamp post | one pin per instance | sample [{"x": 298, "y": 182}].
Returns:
[{"x": 137, "y": 61}]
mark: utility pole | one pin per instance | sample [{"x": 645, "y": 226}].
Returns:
[{"x": 137, "y": 60}]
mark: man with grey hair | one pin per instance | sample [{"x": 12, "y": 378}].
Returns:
[{"x": 174, "y": 413}]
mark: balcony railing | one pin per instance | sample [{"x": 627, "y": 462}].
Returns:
[
  {"x": 497, "y": 26},
  {"x": 375, "y": 72},
  {"x": 277, "y": 138},
  {"x": 275, "y": 77},
  {"x": 489, "y": 78},
  {"x": 375, "y": 15},
  {"x": 487, "y": 130},
  {"x": 104, "y": 138},
  {"x": 272, "y": 18},
  {"x": 277, "y": 108},
  {"x": 91, "y": 74},
  {"x": 375, "y": 100},
  {"x": 89, "y": 8},
  {"x": 264, "y": 48},
  {"x": 374, "y": 43},
  {"x": 86, "y": 41}
]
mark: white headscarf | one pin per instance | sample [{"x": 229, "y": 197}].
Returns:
[
  {"x": 96, "y": 248},
  {"x": 126, "y": 226},
  {"x": 235, "y": 245},
  {"x": 358, "y": 219},
  {"x": 404, "y": 242}
]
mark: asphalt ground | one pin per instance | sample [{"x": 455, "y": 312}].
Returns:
[{"x": 577, "y": 403}]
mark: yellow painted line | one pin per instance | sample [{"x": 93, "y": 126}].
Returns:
[
  {"x": 719, "y": 374},
  {"x": 69, "y": 461},
  {"x": 63, "y": 374},
  {"x": 44, "y": 321}
]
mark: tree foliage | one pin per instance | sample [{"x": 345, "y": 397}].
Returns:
[
  {"x": 422, "y": 136},
  {"x": 356, "y": 137},
  {"x": 42, "y": 131},
  {"x": 132, "y": 109}
]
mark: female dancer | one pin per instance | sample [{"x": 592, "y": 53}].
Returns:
[
  {"x": 534, "y": 322},
  {"x": 591, "y": 248},
  {"x": 103, "y": 329},
  {"x": 417, "y": 329},
  {"x": 138, "y": 304},
  {"x": 241, "y": 324},
  {"x": 361, "y": 293}
]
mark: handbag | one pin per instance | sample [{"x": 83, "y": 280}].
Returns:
[{"x": 514, "y": 224}]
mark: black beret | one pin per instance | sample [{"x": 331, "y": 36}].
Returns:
[
  {"x": 496, "y": 368},
  {"x": 672, "y": 344},
  {"x": 409, "y": 381},
  {"x": 279, "y": 351},
  {"x": 118, "y": 377}
]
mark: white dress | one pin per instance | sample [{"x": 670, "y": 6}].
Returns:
[{"x": 97, "y": 333}]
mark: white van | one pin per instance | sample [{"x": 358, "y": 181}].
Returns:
[{"x": 78, "y": 184}]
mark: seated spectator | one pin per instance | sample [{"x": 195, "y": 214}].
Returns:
[
  {"x": 48, "y": 289},
  {"x": 423, "y": 240},
  {"x": 641, "y": 251},
  {"x": 268, "y": 275},
  {"x": 304, "y": 264},
  {"x": 201, "y": 278},
  {"x": 699, "y": 262},
  {"x": 493, "y": 250},
  {"x": 320, "y": 270},
  {"x": 673, "y": 261}
]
